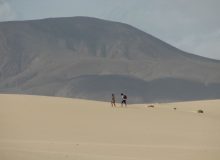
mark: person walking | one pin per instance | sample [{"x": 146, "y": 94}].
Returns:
[
  {"x": 113, "y": 101},
  {"x": 124, "y": 99}
]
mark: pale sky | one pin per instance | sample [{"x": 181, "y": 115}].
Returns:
[{"x": 190, "y": 25}]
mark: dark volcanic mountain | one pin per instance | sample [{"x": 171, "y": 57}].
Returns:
[{"x": 91, "y": 58}]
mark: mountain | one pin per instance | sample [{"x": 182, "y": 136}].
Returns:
[{"x": 91, "y": 58}]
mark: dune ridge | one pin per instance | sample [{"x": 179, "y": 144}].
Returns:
[{"x": 49, "y": 128}]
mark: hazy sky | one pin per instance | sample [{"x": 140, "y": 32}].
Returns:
[{"x": 191, "y": 25}]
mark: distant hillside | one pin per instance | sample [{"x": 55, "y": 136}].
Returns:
[{"x": 91, "y": 58}]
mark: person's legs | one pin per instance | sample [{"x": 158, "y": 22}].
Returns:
[
  {"x": 113, "y": 103},
  {"x": 123, "y": 102}
]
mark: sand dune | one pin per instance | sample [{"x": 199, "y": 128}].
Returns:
[{"x": 46, "y": 128}]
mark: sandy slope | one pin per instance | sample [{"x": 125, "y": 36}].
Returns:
[{"x": 46, "y": 128}]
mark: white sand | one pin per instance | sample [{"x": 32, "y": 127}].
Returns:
[{"x": 46, "y": 128}]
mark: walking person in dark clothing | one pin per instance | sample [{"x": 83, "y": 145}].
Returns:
[
  {"x": 113, "y": 101},
  {"x": 124, "y": 99}
]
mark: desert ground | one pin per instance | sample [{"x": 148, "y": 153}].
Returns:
[{"x": 50, "y": 128}]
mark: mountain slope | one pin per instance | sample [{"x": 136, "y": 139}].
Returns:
[{"x": 50, "y": 57}]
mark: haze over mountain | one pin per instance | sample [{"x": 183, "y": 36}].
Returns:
[{"x": 91, "y": 58}]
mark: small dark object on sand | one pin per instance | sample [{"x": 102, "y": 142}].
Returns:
[
  {"x": 200, "y": 111},
  {"x": 174, "y": 108},
  {"x": 151, "y": 106}
]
